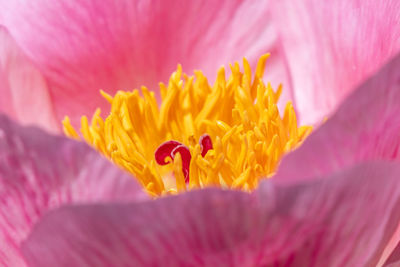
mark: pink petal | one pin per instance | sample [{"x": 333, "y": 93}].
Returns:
[
  {"x": 332, "y": 46},
  {"x": 394, "y": 259},
  {"x": 24, "y": 93},
  {"x": 84, "y": 46},
  {"x": 392, "y": 251},
  {"x": 341, "y": 220},
  {"x": 39, "y": 172},
  {"x": 366, "y": 126}
]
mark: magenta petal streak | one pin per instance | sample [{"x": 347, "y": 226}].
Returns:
[
  {"x": 323, "y": 222},
  {"x": 39, "y": 172}
]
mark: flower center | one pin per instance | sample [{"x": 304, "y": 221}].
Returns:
[
  {"x": 229, "y": 135},
  {"x": 170, "y": 148}
]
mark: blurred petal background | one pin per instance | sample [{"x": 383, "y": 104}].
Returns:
[
  {"x": 320, "y": 51},
  {"x": 55, "y": 56}
]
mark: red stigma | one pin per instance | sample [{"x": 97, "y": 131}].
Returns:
[
  {"x": 205, "y": 144},
  {"x": 170, "y": 148},
  {"x": 164, "y": 151},
  {"x": 186, "y": 158}
]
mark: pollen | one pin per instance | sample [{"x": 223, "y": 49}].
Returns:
[{"x": 229, "y": 134}]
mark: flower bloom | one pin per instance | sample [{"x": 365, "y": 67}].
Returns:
[
  {"x": 334, "y": 200},
  {"x": 241, "y": 135}
]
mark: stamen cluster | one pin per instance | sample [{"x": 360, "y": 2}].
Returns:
[{"x": 239, "y": 116}]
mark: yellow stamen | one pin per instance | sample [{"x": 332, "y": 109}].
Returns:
[{"x": 239, "y": 114}]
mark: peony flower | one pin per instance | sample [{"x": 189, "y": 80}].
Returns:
[{"x": 333, "y": 201}]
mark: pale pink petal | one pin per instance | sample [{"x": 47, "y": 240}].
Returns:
[
  {"x": 84, "y": 46},
  {"x": 24, "y": 93},
  {"x": 39, "y": 172},
  {"x": 332, "y": 46},
  {"x": 394, "y": 258},
  {"x": 342, "y": 220},
  {"x": 366, "y": 126}
]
